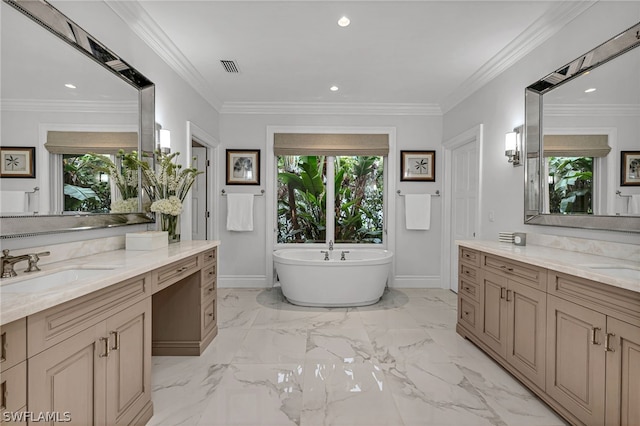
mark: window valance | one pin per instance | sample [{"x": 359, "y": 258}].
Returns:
[
  {"x": 85, "y": 142},
  {"x": 576, "y": 145},
  {"x": 330, "y": 144}
]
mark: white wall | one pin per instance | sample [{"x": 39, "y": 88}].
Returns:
[
  {"x": 500, "y": 107},
  {"x": 176, "y": 101},
  {"x": 417, "y": 253}
]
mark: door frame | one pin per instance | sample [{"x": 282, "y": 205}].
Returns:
[
  {"x": 197, "y": 133},
  {"x": 472, "y": 135}
]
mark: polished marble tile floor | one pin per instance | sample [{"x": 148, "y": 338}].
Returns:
[{"x": 398, "y": 362}]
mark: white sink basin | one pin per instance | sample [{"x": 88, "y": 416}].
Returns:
[
  {"x": 49, "y": 281},
  {"x": 622, "y": 271}
]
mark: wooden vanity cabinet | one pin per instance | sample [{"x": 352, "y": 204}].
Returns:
[
  {"x": 593, "y": 349},
  {"x": 91, "y": 357},
  {"x": 572, "y": 341},
  {"x": 185, "y": 313},
  {"x": 513, "y": 314},
  {"x": 13, "y": 368}
]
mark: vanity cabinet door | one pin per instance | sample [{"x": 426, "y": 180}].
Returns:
[
  {"x": 576, "y": 359},
  {"x": 623, "y": 373},
  {"x": 494, "y": 312},
  {"x": 129, "y": 363},
  {"x": 69, "y": 378},
  {"x": 526, "y": 331}
]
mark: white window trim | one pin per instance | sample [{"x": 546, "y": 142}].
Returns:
[{"x": 388, "y": 242}]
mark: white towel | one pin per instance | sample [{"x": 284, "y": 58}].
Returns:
[
  {"x": 13, "y": 201},
  {"x": 240, "y": 212},
  {"x": 417, "y": 209},
  {"x": 634, "y": 204}
]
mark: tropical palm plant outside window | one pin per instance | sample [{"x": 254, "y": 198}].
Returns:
[
  {"x": 358, "y": 201},
  {"x": 571, "y": 185}
]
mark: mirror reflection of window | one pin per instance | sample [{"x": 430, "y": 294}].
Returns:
[
  {"x": 85, "y": 188},
  {"x": 570, "y": 185}
]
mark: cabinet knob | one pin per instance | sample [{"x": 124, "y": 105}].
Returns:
[
  {"x": 184, "y": 268},
  {"x": 594, "y": 331}
]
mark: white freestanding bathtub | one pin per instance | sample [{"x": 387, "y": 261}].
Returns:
[{"x": 309, "y": 280}]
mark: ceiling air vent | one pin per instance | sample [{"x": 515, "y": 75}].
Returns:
[{"x": 230, "y": 66}]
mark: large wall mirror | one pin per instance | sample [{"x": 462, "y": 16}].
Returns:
[
  {"x": 579, "y": 121},
  {"x": 66, "y": 94}
]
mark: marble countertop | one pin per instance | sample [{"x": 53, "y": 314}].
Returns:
[
  {"x": 21, "y": 296},
  {"x": 607, "y": 270}
]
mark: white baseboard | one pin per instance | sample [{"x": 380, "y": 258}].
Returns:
[
  {"x": 242, "y": 281},
  {"x": 417, "y": 281}
]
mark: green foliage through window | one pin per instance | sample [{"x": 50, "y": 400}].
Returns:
[
  {"x": 302, "y": 199},
  {"x": 571, "y": 188},
  {"x": 84, "y": 191}
]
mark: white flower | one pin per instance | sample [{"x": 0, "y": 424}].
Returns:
[
  {"x": 171, "y": 205},
  {"x": 129, "y": 205}
]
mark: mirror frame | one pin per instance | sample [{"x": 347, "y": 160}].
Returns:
[
  {"x": 533, "y": 140},
  {"x": 47, "y": 16}
]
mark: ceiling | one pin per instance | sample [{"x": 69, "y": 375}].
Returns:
[{"x": 418, "y": 57}]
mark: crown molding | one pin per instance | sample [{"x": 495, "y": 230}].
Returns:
[
  {"x": 145, "y": 27},
  {"x": 45, "y": 105},
  {"x": 543, "y": 28},
  {"x": 599, "y": 110},
  {"x": 327, "y": 108}
]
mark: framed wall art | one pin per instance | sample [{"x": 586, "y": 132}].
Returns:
[
  {"x": 18, "y": 162},
  {"x": 243, "y": 167},
  {"x": 419, "y": 166},
  {"x": 630, "y": 168}
]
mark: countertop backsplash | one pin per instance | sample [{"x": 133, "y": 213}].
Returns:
[
  {"x": 620, "y": 251},
  {"x": 72, "y": 250}
]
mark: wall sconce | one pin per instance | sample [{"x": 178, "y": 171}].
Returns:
[
  {"x": 513, "y": 146},
  {"x": 165, "y": 141}
]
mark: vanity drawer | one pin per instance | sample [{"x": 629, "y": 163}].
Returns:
[
  {"x": 208, "y": 290},
  {"x": 13, "y": 343},
  {"x": 13, "y": 389},
  {"x": 526, "y": 274},
  {"x": 613, "y": 301},
  {"x": 468, "y": 313},
  {"x": 467, "y": 272},
  {"x": 469, "y": 289},
  {"x": 170, "y": 274},
  {"x": 209, "y": 316},
  {"x": 210, "y": 257},
  {"x": 470, "y": 256},
  {"x": 208, "y": 275},
  {"x": 52, "y": 326}
]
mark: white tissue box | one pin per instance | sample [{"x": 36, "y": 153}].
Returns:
[{"x": 146, "y": 240}]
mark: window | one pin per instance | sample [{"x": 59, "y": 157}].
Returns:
[
  {"x": 357, "y": 204},
  {"x": 330, "y": 187}
]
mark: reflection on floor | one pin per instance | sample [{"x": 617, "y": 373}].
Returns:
[{"x": 398, "y": 362}]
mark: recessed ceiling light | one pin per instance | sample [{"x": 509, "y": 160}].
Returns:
[
  {"x": 334, "y": 88},
  {"x": 344, "y": 21},
  {"x": 593, "y": 89},
  {"x": 70, "y": 86}
]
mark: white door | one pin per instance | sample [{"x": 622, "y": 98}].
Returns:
[
  {"x": 464, "y": 200},
  {"x": 199, "y": 195}
]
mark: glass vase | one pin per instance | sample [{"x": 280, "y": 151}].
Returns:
[{"x": 171, "y": 224}]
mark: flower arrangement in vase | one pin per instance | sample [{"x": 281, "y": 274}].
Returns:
[{"x": 167, "y": 187}]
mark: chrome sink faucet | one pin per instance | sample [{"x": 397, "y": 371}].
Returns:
[{"x": 8, "y": 262}]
